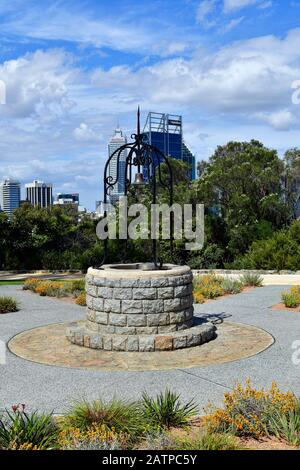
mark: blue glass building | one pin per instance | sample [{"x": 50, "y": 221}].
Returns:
[{"x": 165, "y": 132}]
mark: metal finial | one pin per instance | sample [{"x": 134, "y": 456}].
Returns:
[{"x": 138, "y": 122}]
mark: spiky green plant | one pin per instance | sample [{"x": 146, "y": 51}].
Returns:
[
  {"x": 251, "y": 280},
  {"x": 166, "y": 410},
  {"x": 8, "y": 304}
]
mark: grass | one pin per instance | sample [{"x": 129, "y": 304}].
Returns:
[
  {"x": 23, "y": 431},
  {"x": 116, "y": 415},
  {"x": 166, "y": 410},
  {"x": 11, "y": 283},
  {"x": 8, "y": 305}
]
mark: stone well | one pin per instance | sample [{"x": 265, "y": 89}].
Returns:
[{"x": 130, "y": 308}]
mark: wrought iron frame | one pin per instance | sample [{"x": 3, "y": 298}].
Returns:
[{"x": 141, "y": 154}]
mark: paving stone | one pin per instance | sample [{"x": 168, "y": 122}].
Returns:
[
  {"x": 179, "y": 342},
  {"x": 163, "y": 343},
  {"x": 146, "y": 343}
]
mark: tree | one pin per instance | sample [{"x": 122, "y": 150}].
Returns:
[{"x": 242, "y": 184}]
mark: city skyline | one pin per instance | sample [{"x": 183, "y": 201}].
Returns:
[{"x": 72, "y": 71}]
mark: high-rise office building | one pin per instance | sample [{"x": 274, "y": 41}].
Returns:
[
  {"x": 114, "y": 144},
  {"x": 10, "y": 195},
  {"x": 39, "y": 193},
  {"x": 73, "y": 197},
  {"x": 165, "y": 132}
]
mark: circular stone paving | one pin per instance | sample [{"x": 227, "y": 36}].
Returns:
[{"x": 49, "y": 345}]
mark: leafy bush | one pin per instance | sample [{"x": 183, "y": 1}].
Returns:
[
  {"x": 81, "y": 299},
  {"x": 77, "y": 285},
  {"x": 20, "y": 430},
  {"x": 290, "y": 300},
  {"x": 250, "y": 412},
  {"x": 94, "y": 437},
  {"x": 251, "y": 280},
  {"x": 198, "y": 297},
  {"x": 208, "y": 285},
  {"x": 166, "y": 410},
  {"x": 287, "y": 425},
  {"x": 31, "y": 283},
  {"x": 231, "y": 286},
  {"x": 8, "y": 304},
  {"x": 119, "y": 416}
]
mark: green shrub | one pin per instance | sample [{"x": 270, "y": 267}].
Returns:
[
  {"x": 120, "y": 416},
  {"x": 208, "y": 285},
  {"x": 290, "y": 299},
  {"x": 166, "y": 410},
  {"x": 251, "y": 280},
  {"x": 8, "y": 304},
  {"x": 77, "y": 285},
  {"x": 231, "y": 286},
  {"x": 287, "y": 425},
  {"x": 20, "y": 430},
  {"x": 81, "y": 299}
]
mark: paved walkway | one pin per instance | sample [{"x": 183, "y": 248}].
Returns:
[{"x": 53, "y": 388}]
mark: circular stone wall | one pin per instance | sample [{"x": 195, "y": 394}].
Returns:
[{"x": 129, "y": 309}]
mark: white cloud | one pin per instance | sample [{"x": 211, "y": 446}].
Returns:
[
  {"x": 281, "y": 120},
  {"x": 233, "y": 24},
  {"x": 85, "y": 133},
  {"x": 206, "y": 13},
  {"x": 231, "y": 5}
]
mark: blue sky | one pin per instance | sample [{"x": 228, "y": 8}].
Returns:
[{"x": 72, "y": 69}]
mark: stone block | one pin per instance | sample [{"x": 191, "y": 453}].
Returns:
[
  {"x": 165, "y": 293},
  {"x": 106, "y": 329},
  {"x": 86, "y": 341},
  {"x": 113, "y": 283},
  {"x": 123, "y": 293},
  {"x": 146, "y": 343},
  {"x": 172, "y": 305},
  {"x": 189, "y": 313},
  {"x": 184, "y": 325},
  {"x": 179, "y": 342},
  {"x": 153, "y": 306},
  {"x": 79, "y": 338},
  {"x": 105, "y": 292},
  {"x": 99, "y": 281},
  {"x": 107, "y": 343},
  {"x": 187, "y": 278},
  {"x": 177, "y": 317},
  {"x": 167, "y": 329},
  {"x": 117, "y": 319},
  {"x": 91, "y": 290},
  {"x": 125, "y": 330},
  {"x": 159, "y": 319},
  {"x": 132, "y": 306},
  {"x": 102, "y": 318},
  {"x": 91, "y": 315},
  {"x": 91, "y": 325},
  {"x": 89, "y": 279},
  {"x": 175, "y": 281},
  {"x": 119, "y": 343},
  {"x": 136, "y": 320},
  {"x": 112, "y": 305},
  {"x": 163, "y": 343},
  {"x": 132, "y": 344},
  {"x": 98, "y": 304},
  {"x": 96, "y": 342},
  {"x": 186, "y": 302},
  {"x": 183, "y": 291},
  {"x": 147, "y": 330},
  {"x": 193, "y": 339},
  {"x": 89, "y": 301},
  {"x": 144, "y": 293},
  {"x": 160, "y": 282}
]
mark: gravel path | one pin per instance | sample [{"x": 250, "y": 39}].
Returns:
[{"x": 53, "y": 388}]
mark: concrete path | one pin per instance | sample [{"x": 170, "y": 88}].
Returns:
[{"x": 53, "y": 388}]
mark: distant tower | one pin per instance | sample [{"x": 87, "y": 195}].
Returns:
[
  {"x": 39, "y": 193},
  {"x": 115, "y": 143},
  {"x": 10, "y": 195}
]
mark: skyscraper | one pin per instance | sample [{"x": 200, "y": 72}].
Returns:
[
  {"x": 165, "y": 132},
  {"x": 39, "y": 193},
  {"x": 115, "y": 143},
  {"x": 10, "y": 195}
]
